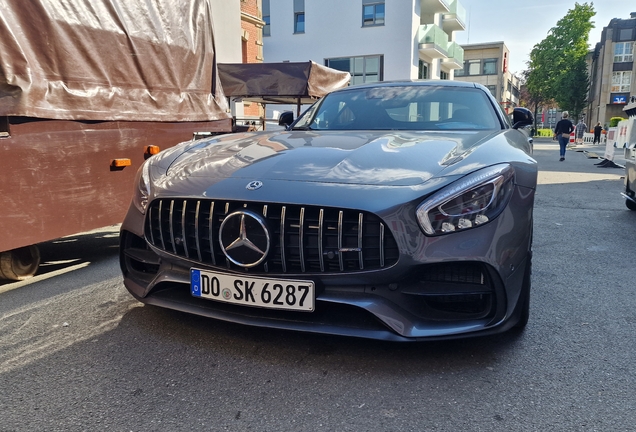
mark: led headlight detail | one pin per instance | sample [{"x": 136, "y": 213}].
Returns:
[
  {"x": 469, "y": 202},
  {"x": 142, "y": 188}
]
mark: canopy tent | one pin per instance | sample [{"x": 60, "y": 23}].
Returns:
[{"x": 280, "y": 83}]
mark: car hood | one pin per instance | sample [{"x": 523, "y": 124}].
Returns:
[{"x": 361, "y": 157}]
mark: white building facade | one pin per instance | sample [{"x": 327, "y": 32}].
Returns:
[
  {"x": 227, "y": 30},
  {"x": 374, "y": 40}
]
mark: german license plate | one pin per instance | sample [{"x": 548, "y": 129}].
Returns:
[{"x": 268, "y": 293}]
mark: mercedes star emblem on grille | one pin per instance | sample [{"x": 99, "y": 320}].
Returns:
[
  {"x": 244, "y": 238},
  {"x": 253, "y": 185}
]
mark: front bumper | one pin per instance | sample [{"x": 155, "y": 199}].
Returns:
[{"x": 459, "y": 285}]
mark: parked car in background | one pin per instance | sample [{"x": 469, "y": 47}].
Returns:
[
  {"x": 628, "y": 142},
  {"x": 397, "y": 211}
]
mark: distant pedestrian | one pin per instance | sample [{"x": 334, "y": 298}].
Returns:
[
  {"x": 562, "y": 132},
  {"x": 579, "y": 131},
  {"x": 598, "y": 129}
]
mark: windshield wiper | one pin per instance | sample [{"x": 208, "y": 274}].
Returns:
[{"x": 302, "y": 128}]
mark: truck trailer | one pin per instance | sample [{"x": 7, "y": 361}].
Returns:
[{"x": 88, "y": 90}]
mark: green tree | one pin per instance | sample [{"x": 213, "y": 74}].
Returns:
[
  {"x": 572, "y": 88},
  {"x": 557, "y": 68},
  {"x": 529, "y": 99}
]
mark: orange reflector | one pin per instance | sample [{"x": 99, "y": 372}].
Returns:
[
  {"x": 152, "y": 149},
  {"x": 120, "y": 163}
]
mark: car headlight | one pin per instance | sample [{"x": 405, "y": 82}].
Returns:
[
  {"x": 142, "y": 188},
  {"x": 471, "y": 201}
]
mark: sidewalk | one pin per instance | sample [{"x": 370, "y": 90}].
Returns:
[{"x": 594, "y": 152}]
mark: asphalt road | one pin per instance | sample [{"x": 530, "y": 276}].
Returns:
[{"x": 78, "y": 353}]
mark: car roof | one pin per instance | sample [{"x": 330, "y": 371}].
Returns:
[{"x": 419, "y": 83}]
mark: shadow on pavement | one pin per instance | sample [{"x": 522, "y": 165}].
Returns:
[{"x": 66, "y": 252}]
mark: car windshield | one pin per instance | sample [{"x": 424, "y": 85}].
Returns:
[{"x": 402, "y": 108}]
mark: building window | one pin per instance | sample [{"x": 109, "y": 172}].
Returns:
[
  {"x": 244, "y": 51},
  {"x": 460, "y": 72},
  {"x": 623, "y": 52},
  {"x": 266, "y": 18},
  {"x": 299, "y": 16},
  {"x": 362, "y": 69},
  {"x": 626, "y": 34},
  {"x": 473, "y": 67},
  {"x": 443, "y": 75},
  {"x": 372, "y": 13},
  {"x": 299, "y": 22},
  {"x": 490, "y": 66},
  {"x": 422, "y": 72},
  {"x": 621, "y": 81}
]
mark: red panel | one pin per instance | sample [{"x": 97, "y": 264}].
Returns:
[{"x": 56, "y": 177}]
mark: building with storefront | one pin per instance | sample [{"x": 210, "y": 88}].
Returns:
[{"x": 612, "y": 69}]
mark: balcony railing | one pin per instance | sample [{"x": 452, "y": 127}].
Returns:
[
  {"x": 434, "y": 6},
  {"x": 433, "y": 41},
  {"x": 455, "y": 58},
  {"x": 455, "y": 19}
]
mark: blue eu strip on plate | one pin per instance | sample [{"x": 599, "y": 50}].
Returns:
[{"x": 195, "y": 282}]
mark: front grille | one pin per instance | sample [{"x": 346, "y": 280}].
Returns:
[{"x": 304, "y": 239}]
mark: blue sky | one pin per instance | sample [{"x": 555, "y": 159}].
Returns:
[{"x": 522, "y": 24}]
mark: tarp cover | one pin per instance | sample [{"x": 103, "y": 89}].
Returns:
[
  {"x": 286, "y": 83},
  {"x": 140, "y": 60}
]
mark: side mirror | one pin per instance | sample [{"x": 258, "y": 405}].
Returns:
[
  {"x": 521, "y": 117},
  {"x": 286, "y": 118}
]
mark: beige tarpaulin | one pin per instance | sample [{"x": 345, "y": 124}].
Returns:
[{"x": 139, "y": 60}]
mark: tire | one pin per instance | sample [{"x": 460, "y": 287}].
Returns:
[
  {"x": 19, "y": 264},
  {"x": 630, "y": 204},
  {"x": 524, "y": 299}
]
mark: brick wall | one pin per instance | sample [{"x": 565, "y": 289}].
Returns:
[{"x": 252, "y": 44}]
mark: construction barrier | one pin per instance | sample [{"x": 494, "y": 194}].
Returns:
[{"x": 588, "y": 138}]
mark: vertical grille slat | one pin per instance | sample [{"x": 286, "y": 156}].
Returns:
[
  {"x": 184, "y": 213},
  {"x": 381, "y": 245},
  {"x": 282, "y": 239},
  {"x": 211, "y": 236},
  {"x": 304, "y": 239},
  {"x": 321, "y": 256},
  {"x": 197, "y": 237},
  {"x": 265, "y": 265},
  {"x": 360, "y": 259},
  {"x": 163, "y": 243},
  {"x": 150, "y": 226},
  {"x": 171, "y": 222},
  {"x": 340, "y": 232},
  {"x": 301, "y": 246}
]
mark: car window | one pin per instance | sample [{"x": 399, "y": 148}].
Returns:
[{"x": 403, "y": 107}]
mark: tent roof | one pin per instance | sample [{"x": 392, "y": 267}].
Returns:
[{"x": 281, "y": 83}]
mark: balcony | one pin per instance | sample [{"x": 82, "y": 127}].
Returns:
[
  {"x": 455, "y": 19},
  {"x": 433, "y": 41},
  {"x": 455, "y": 58},
  {"x": 428, "y": 7}
]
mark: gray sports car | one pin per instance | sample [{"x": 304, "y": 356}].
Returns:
[{"x": 397, "y": 211}]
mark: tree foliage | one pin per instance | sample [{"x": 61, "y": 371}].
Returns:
[
  {"x": 573, "y": 88},
  {"x": 557, "y": 67}
]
